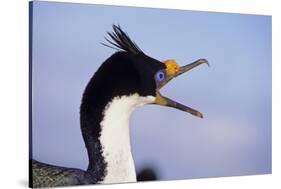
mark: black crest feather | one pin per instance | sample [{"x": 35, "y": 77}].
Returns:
[{"x": 121, "y": 41}]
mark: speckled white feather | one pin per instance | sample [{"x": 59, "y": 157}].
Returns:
[{"x": 115, "y": 138}]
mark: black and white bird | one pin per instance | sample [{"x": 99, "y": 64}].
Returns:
[{"x": 126, "y": 80}]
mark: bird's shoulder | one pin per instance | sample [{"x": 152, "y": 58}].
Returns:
[{"x": 46, "y": 175}]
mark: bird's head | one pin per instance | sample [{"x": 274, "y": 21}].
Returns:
[{"x": 130, "y": 71}]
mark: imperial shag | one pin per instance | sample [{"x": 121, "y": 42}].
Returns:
[{"x": 126, "y": 80}]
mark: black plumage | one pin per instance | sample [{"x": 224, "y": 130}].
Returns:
[
  {"x": 45, "y": 175},
  {"x": 121, "y": 41}
]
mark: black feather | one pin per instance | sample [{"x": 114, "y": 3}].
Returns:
[{"x": 121, "y": 41}]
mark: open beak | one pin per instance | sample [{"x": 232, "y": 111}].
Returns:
[{"x": 172, "y": 71}]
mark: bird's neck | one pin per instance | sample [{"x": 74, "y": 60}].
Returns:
[{"x": 114, "y": 138}]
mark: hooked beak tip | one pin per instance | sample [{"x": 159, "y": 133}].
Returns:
[{"x": 203, "y": 61}]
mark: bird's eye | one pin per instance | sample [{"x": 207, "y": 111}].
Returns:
[{"x": 160, "y": 75}]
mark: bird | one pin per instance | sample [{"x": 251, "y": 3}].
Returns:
[{"x": 128, "y": 79}]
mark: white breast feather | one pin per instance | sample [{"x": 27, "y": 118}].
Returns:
[{"x": 115, "y": 138}]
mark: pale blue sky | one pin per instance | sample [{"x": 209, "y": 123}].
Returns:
[{"x": 234, "y": 94}]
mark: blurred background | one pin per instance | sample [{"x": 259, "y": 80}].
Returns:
[{"x": 234, "y": 94}]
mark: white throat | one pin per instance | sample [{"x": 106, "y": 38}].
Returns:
[{"x": 115, "y": 138}]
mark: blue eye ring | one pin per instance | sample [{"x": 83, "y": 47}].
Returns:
[{"x": 160, "y": 75}]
